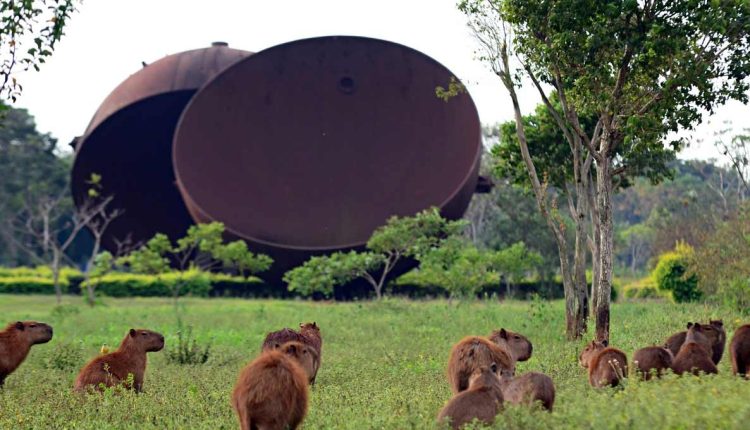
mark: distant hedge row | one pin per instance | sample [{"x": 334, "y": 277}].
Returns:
[{"x": 202, "y": 284}]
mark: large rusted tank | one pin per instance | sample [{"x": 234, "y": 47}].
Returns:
[
  {"x": 129, "y": 143},
  {"x": 306, "y": 147}
]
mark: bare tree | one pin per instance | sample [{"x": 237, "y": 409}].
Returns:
[
  {"x": 44, "y": 221},
  {"x": 97, "y": 224}
]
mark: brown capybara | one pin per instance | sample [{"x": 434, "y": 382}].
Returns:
[
  {"x": 113, "y": 369},
  {"x": 693, "y": 356},
  {"x": 652, "y": 360},
  {"x": 306, "y": 356},
  {"x": 607, "y": 365},
  {"x": 483, "y": 400},
  {"x": 471, "y": 353},
  {"x": 528, "y": 389},
  {"x": 739, "y": 351},
  {"x": 271, "y": 393},
  {"x": 517, "y": 345},
  {"x": 309, "y": 334},
  {"x": 712, "y": 336},
  {"x": 16, "y": 341}
]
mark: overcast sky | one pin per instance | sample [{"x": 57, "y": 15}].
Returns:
[{"x": 106, "y": 41}]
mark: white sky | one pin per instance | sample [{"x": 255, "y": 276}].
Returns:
[{"x": 107, "y": 40}]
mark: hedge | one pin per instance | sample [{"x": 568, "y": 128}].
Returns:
[{"x": 31, "y": 285}]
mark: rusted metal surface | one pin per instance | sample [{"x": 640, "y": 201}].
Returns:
[
  {"x": 307, "y": 147},
  {"x": 129, "y": 143}
]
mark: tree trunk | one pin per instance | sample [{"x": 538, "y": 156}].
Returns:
[
  {"x": 579, "y": 257},
  {"x": 89, "y": 267},
  {"x": 575, "y": 320},
  {"x": 56, "y": 275},
  {"x": 606, "y": 238},
  {"x": 595, "y": 249}
]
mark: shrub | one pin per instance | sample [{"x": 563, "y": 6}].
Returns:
[
  {"x": 30, "y": 285},
  {"x": 672, "y": 274},
  {"x": 188, "y": 351},
  {"x": 642, "y": 289},
  {"x": 191, "y": 282},
  {"x": 65, "y": 356},
  {"x": 735, "y": 294}
]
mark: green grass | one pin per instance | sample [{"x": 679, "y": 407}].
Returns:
[{"x": 383, "y": 365}]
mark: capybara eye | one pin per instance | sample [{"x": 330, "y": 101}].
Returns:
[
  {"x": 144, "y": 333},
  {"x": 517, "y": 337}
]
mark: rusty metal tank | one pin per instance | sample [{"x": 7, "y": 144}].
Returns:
[
  {"x": 129, "y": 143},
  {"x": 306, "y": 147}
]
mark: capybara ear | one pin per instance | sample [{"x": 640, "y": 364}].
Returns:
[
  {"x": 719, "y": 323},
  {"x": 19, "y": 325},
  {"x": 503, "y": 333},
  {"x": 689, "y": 325},
  {"x": 493, "y": 367},
  {"x": 605, "y": 342},
  {"x": 315, "y": 325},
  {"x": 132, "y": 332}
]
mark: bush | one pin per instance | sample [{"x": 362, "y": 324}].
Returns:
[
  {"x": 191, "y": 282},
  {"x": 642, "y": 289},
  {"x": 672, "y": 274},
  {"x": 30, "y": 285}
]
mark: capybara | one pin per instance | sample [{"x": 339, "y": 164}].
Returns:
[
  {"x": 528, "y": 389},
  {"x": 712, "y": 336},
  {"x": 606, "y": 365},
  {"x": 517, "y": 345},
  {"x": 130, "y": 359},
  {"x": 739, "y": 351},
  {"x": 471, "y": 353},
  {"x": 305, "y": 355},
  {"x": 482, "y": 400},
  {"x": 16, "y": 341},
  {"x": 309, "y": 334},
  {"x": 652, "y": 360},
  {"x": 271, "y": 393},
  {"x": 693, "y": 356}
]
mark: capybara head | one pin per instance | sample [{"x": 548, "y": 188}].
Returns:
[
  {"x": 714, "y": 331},
  {"x": 35, "y": 332},
  {"x": 698, "y": 333},
  {"x": 303, "y": 354},
  {"x": 591, "y": 349},
  {"x": 146, "y": 340},
  {"x": 519, "y": 345},
  {"x": 485, "y": 376},
  {"x": 309, "y": 327}
]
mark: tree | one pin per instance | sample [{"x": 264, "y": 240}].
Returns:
[
  {"x": 400, "y": 238},
  {"x": 202, "y": 248},
  {"x": 29, "y": 32},
  {"x": 737, "y": 149},
  {"x": 637, "y": 239},
  {"x": 514, "y": 262},
  {"x": 44, "y": 223},
  {"x": 645, "y": 69},
  {"x": 97, "y": 225},
  {"x": 31, "y": 168},
  {"x": 459, "y": 267}
]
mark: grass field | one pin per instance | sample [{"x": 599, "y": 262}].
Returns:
[{"x": 383, "y": 365}]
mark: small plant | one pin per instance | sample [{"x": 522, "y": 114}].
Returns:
[
  {"x": 188, "y": 351},
  {"x": 65, "y": 356},
  {"x": 61, "y": 312}
]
